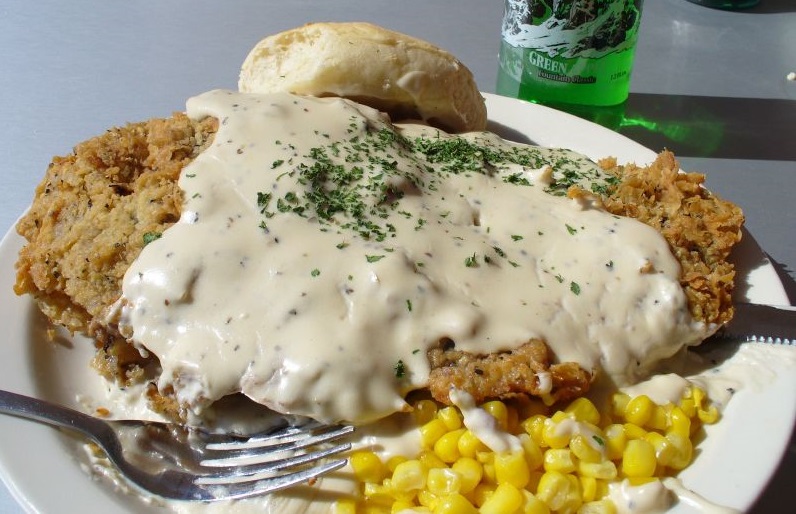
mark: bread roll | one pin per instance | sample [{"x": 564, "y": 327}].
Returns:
[{"x": 398, "y": 74}]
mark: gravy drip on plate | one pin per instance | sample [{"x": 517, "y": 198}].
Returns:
[{"x": 322, "y": 250}]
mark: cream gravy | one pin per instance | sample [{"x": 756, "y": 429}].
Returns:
[{"x": 321, "y": 251}]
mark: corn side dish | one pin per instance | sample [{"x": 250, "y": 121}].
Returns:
[{"x": 566, "y": 462}]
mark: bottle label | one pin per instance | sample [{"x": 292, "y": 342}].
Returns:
[{"x": 584, "y": 42}]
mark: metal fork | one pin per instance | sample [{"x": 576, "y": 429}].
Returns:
[{"x": 181, "y": 463}]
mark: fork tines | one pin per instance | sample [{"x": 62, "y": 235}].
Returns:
[{"x": 247, "y": 467}]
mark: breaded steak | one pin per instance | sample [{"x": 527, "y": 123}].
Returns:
[
  {"x": 97, "y": 208},
  {"x": 93, "y": 213}
]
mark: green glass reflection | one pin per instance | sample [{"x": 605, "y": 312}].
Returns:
[{"x": 686, "y": 130}]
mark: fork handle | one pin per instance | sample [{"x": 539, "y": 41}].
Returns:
[{"x": 51, "y": 414}]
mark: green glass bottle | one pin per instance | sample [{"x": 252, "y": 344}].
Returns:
[{"x": 559, "y": 52}]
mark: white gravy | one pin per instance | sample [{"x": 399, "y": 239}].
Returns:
[{"x": 321, "y": 252}]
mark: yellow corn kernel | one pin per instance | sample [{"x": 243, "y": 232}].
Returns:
[
  {"x": 470, "y": 471},
  {"x": 639, "y": 410},
  {"x": 533, "y": 454},
  {"x": 619, "y": 403},
  {"x": 378, "y": 493},
  {"x": 490, "y": 475},
  {"x": 485, "y": 457},
  {"x": 598, "y": 507},
  {"x": 560, "y": 460},
  {"x": 688, "y": 406},
  {"x": 699, "y": 396},
  {"x": 638, "y": 459},
  {"x": 615, "y": 441},
  {"x": 605, "y": 470},
  {"x": 574, "y": 500},
  {"x": 443, "y": 481},
  {"x": 499, "y": 411},
  {"x": 512, "y": 467},
  {"x": 397, "y": 494},
  {"x": 410, "y": 476},
  {"x": 431, "y": 432},
  {"x": 584, "y": 410},
  {"x": 531, "y": 504},
  {"x": 556, "y": 490},
  {"x": 534, "y": 426},
  {"x": 428, "y": 499},
  {"x": 451, "y": 417},
  {"x": 679, "y": 421},
  {"x": 424, "y": 411},
  {"x": 583, "y": 449},
  {"x": 602, "y": 489},
  {"x": 633, "y": 431},
  {"x": 588, "y": 488},
  {"x": 345, "y": 506},
  {"x": 684, "y": 450},
  {"x": 367, "y": 467},
  {"x": 709, "y": 415},
  {"x": 455, "y": 504},
  {"x": 555, "y": 434},
  {"x": 401, "y": 506},
  {"x": 665, "y": 452},
  {"x": 447, "y": 446},
  {"x": 481, "y": 493},
  {"x": 368, "y": 507},
  {"x": 393, "y": 462},
  {"x": 431, "y": 460},
  {"x": 658, "y": 420},
  {"x": 469, "y": 444},
  {"x": 505, "y": 500}
]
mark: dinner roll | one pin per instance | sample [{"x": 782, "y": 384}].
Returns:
[{"x": 395, "y": 73}]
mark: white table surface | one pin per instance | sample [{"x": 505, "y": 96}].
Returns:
[{"x": 69, "y": 70}]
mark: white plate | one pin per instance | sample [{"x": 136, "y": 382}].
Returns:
[{"x": 40, "y": 466}]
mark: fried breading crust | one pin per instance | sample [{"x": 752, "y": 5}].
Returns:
[
  {"x": 700, "y": 227},
  {"x": 89, "y": 217},
  {"x": 94, "y": 207},
  {"x": 524, "y": 370}
]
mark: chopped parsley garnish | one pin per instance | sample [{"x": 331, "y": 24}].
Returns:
[
  {"x": 574, "y": 287},
  {"x": 357, "y": 184},
  {"x": 409, "y": 305},
  {"x": 572, "y": 230},
  {"x": 151, "y": 236},
  {"x": 374, "y": 258},
  {"x": 315, "y": 272},
  {"x": 517, "y": 179},
  {"x": 263, "y": 199},
  {"x": 471, "y": 261}
]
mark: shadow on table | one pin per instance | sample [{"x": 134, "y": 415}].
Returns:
[{"x": 703, "y": 126}]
